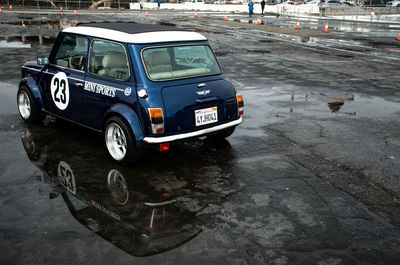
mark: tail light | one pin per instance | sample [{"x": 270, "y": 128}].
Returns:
[
  {"x": 240, "y": 104},
  {"x": 157, "y": 120},
  {"x": 164, "y": 147}
]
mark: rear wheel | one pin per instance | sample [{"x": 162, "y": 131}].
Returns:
[
  {"x": 27, "y": 106},
  {"x": 119, "y": 141}
]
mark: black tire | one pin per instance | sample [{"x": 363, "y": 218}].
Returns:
[
  {"x": 122, "y": 151},
  {"x": 221, "y": 135},
  {"x": 32, "y": 148},
  {"x": 33, "y": 115}
]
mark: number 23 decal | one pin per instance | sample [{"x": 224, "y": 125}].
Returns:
[{"x": 60, "y": 90}]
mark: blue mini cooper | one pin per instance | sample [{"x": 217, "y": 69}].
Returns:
[{"x": 139, "y": 85}]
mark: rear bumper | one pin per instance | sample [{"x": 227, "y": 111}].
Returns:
[{"x": 171, "y": 138}]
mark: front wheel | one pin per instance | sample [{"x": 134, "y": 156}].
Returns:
[
  {"x": 27, "y": 106},
  {"x": 119, "y": 141}
]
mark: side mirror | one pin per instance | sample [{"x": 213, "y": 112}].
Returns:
[{"x": 43, "y": 61}]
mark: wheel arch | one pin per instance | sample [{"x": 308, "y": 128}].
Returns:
[
  {"x": 125, "y": 112},
  {"x": 30, "y": 84}
]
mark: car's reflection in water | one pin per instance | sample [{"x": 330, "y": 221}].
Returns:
[{"x": 120, "y": 204}]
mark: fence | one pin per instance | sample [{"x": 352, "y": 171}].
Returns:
[
  {"x": 357, "y": 12},
  {"x": 65, "y": 4}
]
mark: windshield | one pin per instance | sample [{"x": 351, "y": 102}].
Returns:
[{"x": 176, "y": 62}]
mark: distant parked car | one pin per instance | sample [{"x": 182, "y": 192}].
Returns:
[
  {"x": 395, "y": 3},
  {"x": 313, "y": 3},
  {"x": 375, "y": 3},
  {"x": 271, "y": 2},
  {"x": 330, "y": 3},
  {"x": 297, "y": 3},
  {"x": 287, "y": 3},
  {"x": 194, "y": 2},
  {"x": 347, "y": 4}
]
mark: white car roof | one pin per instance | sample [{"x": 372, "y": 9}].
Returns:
[{"x": 135, "y": 33}]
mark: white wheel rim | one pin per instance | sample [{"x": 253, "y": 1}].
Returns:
[
  {"x": 24, "y": 105},
  {"x": 118, "y": 188},
  {"x": 115, "y": 141}
]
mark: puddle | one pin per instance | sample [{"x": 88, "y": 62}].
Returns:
[
  {"x": 353, "y": 46},
  {"x": 339, "y": 104},
  {"x": 14, "y": 44},
  {"x": 258, "y": 51},
  {"x": 280, "y": 102},
  {"x": 266, "y": 41},
  {"x": 347, "y": 56},
  {"x": 214, "y": 31},
  {"x": 26, "y": 41},
  {"x": 221, "y": 53},
  {"x": 25, "y": 22},
  {"x": 8, "y": 94},
  {"x": 135, "y": 210},
  {"x": 166, "y": 23},
  {"x": 334, "y": 103},
  {"x": 352, "y": 28}
]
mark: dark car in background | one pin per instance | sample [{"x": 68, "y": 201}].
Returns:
[
  {"x": 375, "y": 3},
  {"x": 330, "y": 3}
]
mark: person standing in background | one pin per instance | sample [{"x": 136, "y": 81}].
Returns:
[
  {"x": 251, "y": 8},
  {"x": 262, "y": 7}
]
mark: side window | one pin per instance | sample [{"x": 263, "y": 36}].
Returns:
[
  {"x": 108, "y": 59},
  {"x": 72, "y": 52}
]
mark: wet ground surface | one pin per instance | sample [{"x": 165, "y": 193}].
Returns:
[{"x": 310, "y": 177}]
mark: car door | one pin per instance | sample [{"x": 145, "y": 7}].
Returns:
[
  {"x": 107, "y": 80},
  {"x": 64, "y": 77}
]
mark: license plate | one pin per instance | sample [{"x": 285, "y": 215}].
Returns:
[{"x": 206, "y": 116}]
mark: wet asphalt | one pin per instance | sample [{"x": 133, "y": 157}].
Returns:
[{"x": 310, "y": 177}]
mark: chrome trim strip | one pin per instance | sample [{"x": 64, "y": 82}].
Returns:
[
  {"x": 158, "y": 140},
  {"x": 156, "y": 204},
  {"x": 33, "y": 69},
  {"x": 67, "y": 68},
  {"x": 76, "y": 79}
]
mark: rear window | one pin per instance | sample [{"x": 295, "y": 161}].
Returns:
[{"x": 177, "y": 62}]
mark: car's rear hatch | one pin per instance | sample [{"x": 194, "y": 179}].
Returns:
[{"x": 198, "y": 105}]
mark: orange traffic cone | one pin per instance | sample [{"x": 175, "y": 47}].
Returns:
[
  {"x": 75, "y": 12},
  {"x": 258, "y": 21},
  {"x": 195, "y": 15},
  {"x": 10, "y": 7},
  {"x": 398, "y": 38},
  {"x": 281, "y": 9},
  {"x": 1, "y": 11},
  {"x": 61, "y": 10},
  {"x": 298, "y": 25},
  {"x": 147, "y": 13},
  {"x": 326, "y": 30},
  {"x": 225, "y": 18}
]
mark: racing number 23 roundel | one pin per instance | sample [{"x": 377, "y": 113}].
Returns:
[{"x": 60, "y": 90}]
